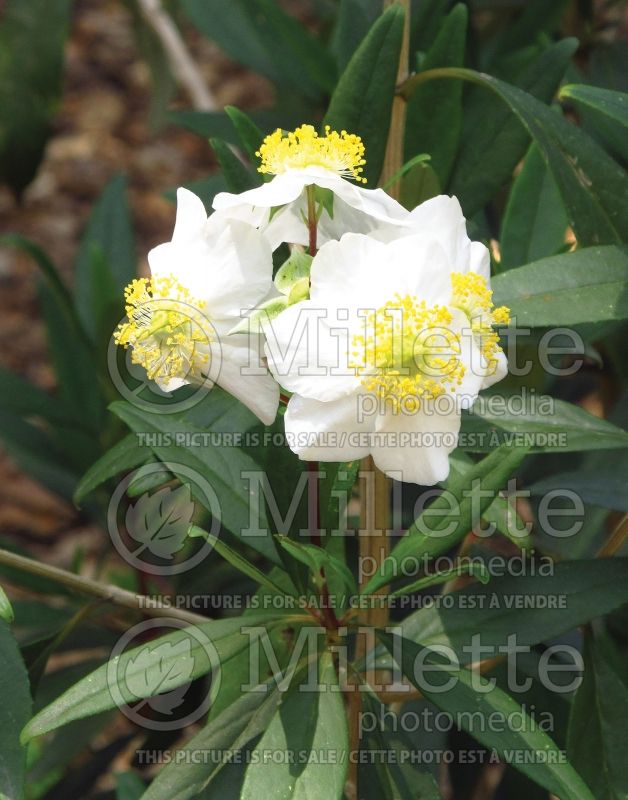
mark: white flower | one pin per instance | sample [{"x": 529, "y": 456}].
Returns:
[
  {"x": 441, "y": 220},
  {"x": 201, "y": 281},
  {"x": 381, "y": 358},
  {"x": 301, "y": 159}
]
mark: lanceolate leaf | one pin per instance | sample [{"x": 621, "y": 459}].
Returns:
[
  {"x": 260, "y": 35},
  {"x": 605, "y": 110},
  {"x": 15, "y": 710},
  {"x": 526, "y": 746},
  {"x": 550, "y": 600},
  {"x": 32, "y": 39},
  {"x": 601, "y": 486},
  {"x": 229, "y": 732},
  {"x": 106, "y": 260},
  {"x": 550, "y": 425},
  {"x": 249, "y": 135},
  {"x": 599, "y": 721},
  {"x": 493, "y": 141},
  {"x": 594, "y": 188},
  {"x": 223, "y": 467},
  {"x": 535, "y": 221},
  {"x": 362, "y": 100},
  {"x": 126, "y": 455},
  {"x": 171, "y": 661},
  {"x": 453, "y": 514},
  {"x": 239, "y": 178},
  {"x": 308, "y": 721},
  {"x": 434, "y": 114},
  {"x": 588, "y": 285}
]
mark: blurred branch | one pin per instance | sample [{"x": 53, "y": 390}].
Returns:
[
  {"x": 108, "y": 592},
  {"x": 183, "y": 66}
]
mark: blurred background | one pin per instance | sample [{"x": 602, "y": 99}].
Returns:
[
  {"x": 109, "y": 96},
  {"x": 87, "y": 93}
]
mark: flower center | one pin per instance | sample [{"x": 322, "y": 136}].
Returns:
[
  {"x": 342, "y": 152},
  {"x": 168, "y": 334},
  {"x": 407, "y": 353},
  {"x": 470, "y": 293}
]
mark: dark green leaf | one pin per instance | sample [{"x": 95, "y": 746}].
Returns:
[
  {"x": 598, "y": 725},
  {"x": 36, "y": 454},
  {"x": 224, "y": 467},
  {"x": 588, "y": 285},
  {"x": 605, "y": 110},
  {"x": 15, "y": 710},
  {"x": 32, "y": 39},
  {"x": 535, "y": 221},
  {"x": 260, "y": 35},
  {"x": 594, "y": 188},
  {"x": 362, "y": 100},
  {"x": 434, "y": 115},
  {"x": 126, "y": 455},
  {"x": 236, "y": 560},
  {"x": 205, "y": 188},
  {"x": 105, "y": 263},
  {"x": 318, "y": 559},
  {"x": 522, "y": 745},
  {"x": 169, "y": 661},
  {"x": 239, "y": 177},
  {"x": 600, "y": 487},
  {"x": 73, "y": 361},
  {"x": 453, "y": 514},
  {"x": 354, "y": 20},
  {"x": 249, "y": 135},
  {"x": 228, "y": 733},
  {"x": 549, "y": 425},
  {"x": 129, "y": 786},
  {"x": 307, "y": 721},
  {"x": 20, "y": 397},
  {"x": 550, "y": 600},
  {"x": 493, "y": 141}
]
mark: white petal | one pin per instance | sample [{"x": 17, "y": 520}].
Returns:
[
  {"x": 416, "y": 447},
  {"x": 351, "y": 272},
  {"x": 440, "y": 219},
  {"x": 280, "y": 190},
  {"x": 498, "y": 372},
  {"x": 480, "y": 260},
  {"x": 307, "y": 351},
  {"x": 471, "y": 357},
  {"x": 361, "y": 272},
  {"x": 326, "y": 431},
  {"x": 355, "y": 208},
  {"x": 258, "y": 392},
  {"x": 191, "y": 216},
  {"x": 228, "y": 271}
]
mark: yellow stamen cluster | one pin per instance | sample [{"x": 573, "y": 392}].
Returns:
[
  {"x": 342, "y": 153},
  {"x": 470, "y": 293},
  {"x": 407, "y": 353},
  {"x": 169, "y": 335}
]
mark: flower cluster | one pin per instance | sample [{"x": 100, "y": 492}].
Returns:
[{"x": 380, "y": 323}]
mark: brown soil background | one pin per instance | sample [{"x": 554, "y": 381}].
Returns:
[{"x": 102, "y": 127}]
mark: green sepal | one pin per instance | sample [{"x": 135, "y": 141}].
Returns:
[
  {"x": 292, "y": 272},
  {"x": 264, "y": 313}
]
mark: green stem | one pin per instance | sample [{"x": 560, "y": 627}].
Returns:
[{"x": 108, "y": 592}]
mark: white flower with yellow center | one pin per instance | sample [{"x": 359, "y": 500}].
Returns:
[
  {"x": 441, "y": 220},
  {"x": 382, "y": 358},
  {"x": 201, "y": 283},
  {"x": 302, "y": 158}
]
